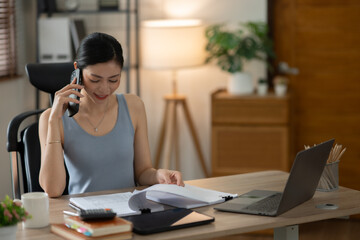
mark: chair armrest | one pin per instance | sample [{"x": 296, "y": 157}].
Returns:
[{"x": 13, "y": 128}]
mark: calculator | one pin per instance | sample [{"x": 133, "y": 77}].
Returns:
[{"x": 97, "y": 214}]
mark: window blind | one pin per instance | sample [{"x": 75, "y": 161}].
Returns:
[{"x": 7, "y": 38}]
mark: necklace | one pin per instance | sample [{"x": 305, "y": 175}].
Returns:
[{"x": 96, "y": 127}]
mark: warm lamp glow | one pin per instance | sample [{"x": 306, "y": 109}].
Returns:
[{"x": 172, "y": 44}]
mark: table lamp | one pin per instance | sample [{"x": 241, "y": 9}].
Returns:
[{"x": 173, "y": 45}]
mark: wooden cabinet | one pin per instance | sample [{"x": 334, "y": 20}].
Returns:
[{"x": 249, "y": 133}]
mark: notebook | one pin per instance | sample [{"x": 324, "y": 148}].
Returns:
[{"x": 300, "y": 186}]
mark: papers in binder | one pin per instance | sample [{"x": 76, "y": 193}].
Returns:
[{"x": 125, "y": 204}]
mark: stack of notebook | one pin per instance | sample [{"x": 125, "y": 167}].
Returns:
[{"x": 75, "y": 228}]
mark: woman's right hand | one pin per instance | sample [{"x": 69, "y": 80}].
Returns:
[{"x": 62, "y": 99}]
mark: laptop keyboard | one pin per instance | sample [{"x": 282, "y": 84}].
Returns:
[{"x": 268, "y": 204}]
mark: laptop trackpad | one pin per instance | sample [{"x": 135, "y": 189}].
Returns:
[{"x": 256, "y": 195}]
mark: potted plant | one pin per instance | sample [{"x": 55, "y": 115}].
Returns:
[
  {"x": 11, "y": 212},
  {"x": 280, "y": 85},
  {"x": 231, "y": 49},
  {"x": 262, "y": 87}
]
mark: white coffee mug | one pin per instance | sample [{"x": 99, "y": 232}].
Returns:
[{"x": 37, "y": 205}]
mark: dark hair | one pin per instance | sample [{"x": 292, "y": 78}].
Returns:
[{"x": 99, "y": 48}]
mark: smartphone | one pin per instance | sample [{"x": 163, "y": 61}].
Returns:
[{"x": 73, "y": 108}]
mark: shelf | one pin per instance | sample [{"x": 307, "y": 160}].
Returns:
[
  {"x": 131, "y": 22},
  {"x": 134, "y": 11}
]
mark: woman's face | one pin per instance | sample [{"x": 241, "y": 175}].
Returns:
[{"x": 101, "y": 80}]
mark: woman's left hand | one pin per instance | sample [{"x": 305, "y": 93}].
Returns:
[{"x": 169, "y": 177}]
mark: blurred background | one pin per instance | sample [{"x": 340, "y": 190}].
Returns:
[{"x": 317, "y": 41}]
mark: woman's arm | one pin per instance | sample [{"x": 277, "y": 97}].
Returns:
[
  {"x": 145, "y": 174},
  {"x": 52, "y": 176}
]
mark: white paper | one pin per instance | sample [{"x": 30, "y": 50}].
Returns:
[
  {"x": 125, "y": 204},
  {"x": 183, "y": 197},
  {"x": 117, "y": 202}
]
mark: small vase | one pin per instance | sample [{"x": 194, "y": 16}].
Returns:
[
  {"x": 280, "y": 89},
  {"x": 240, "y": 83},
  {"x": 262, "y": 89},
  {"x": 8, "y": 232}
]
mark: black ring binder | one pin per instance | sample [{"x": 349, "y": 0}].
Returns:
[
  {"x": 227, "y": 198},
  {"x": 145, "y": 210}
]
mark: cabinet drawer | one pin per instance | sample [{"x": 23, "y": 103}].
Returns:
[
  {"x": 247, "y": 149},
  {"x": 250, "y": 109}
]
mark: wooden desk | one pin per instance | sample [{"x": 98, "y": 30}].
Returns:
[{"x": 231, "y": 223}]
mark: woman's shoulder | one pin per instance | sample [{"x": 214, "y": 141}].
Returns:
[
  {"x": 136, "y": 108},
  {"x": 133, "y": 100},
  {"x": 132, "y": 97}
]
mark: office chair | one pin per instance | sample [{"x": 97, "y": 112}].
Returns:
[{"x": 22, "y": 137}]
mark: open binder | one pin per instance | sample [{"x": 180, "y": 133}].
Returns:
[{"x": 151, "y": 199}]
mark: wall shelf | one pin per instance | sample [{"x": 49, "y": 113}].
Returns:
[{"x": 131, "y": 41}]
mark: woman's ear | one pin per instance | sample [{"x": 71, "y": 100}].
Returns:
[{"x": 75, "y": 65}]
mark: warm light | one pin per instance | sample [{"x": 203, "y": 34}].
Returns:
[
  {"x": 172, "y": 23},
  {"x": 183, "y": 9},
  {"x": 172, "y": 44}
]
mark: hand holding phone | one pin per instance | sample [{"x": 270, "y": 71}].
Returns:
[{"x": 73, "y": 108}]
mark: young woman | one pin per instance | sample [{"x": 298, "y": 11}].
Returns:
[{"x": 105, "y": 145}]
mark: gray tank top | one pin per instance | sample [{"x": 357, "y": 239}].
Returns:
[{"x": 98, "y": 163}]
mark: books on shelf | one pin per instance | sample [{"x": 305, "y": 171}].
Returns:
[
  {"x": 126, "y": 204},
  {"x": 72, "y": 234},
  {"x": 96, "y": 228}
]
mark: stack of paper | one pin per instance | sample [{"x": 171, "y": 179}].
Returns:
[{"x": 125, "y": 204}]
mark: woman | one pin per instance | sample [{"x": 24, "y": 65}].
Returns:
[{"x": 105, "y": 145}]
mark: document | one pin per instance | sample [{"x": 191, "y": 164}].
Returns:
[{"x": 126, "y": 204}]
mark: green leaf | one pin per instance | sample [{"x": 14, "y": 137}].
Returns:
[{"x": 231, "y": 49}]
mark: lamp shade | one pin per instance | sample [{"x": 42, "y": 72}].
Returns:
[{"x": 172, "y": 44}]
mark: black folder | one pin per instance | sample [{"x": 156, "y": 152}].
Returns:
[{"x": 170, "y": 219}]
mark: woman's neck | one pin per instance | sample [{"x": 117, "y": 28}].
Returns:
[{"x": 89, "y": 107}]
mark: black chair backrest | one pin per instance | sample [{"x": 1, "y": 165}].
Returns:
[
  {"x": 31, "y": 158},
  {"x": 25, "y": 150},
  {"x": 49, "y": 77}
]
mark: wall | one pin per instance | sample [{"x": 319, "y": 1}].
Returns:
[
  {"x": 196, "y": 83},
  {"x": 16, "y": 95}
]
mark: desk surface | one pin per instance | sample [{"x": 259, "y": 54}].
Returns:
[{"x": 229, "y": 223}]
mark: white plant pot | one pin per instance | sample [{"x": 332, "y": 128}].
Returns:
[
  {"x": 262, "y": 89},
  {"x": 240, "y": 83},
  {"x": 8, "y": 232},
  {"x": 280, "y": 89}
]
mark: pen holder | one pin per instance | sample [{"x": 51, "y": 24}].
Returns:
[{"x": 329, "y": 180}]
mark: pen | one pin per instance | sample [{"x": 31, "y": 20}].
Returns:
[
  {"x": 70, "y": 213},
  {"x": 74, "y": 207}
]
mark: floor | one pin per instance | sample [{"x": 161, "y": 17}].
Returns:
[{"x": 334, "y": 229}]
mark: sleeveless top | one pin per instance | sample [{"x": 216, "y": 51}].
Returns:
[{"x": 96, "y": 163}]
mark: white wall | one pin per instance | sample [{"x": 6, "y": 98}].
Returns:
[
  {"x": 17, "y": 95},
  {"x": 197, "y": 83}
]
